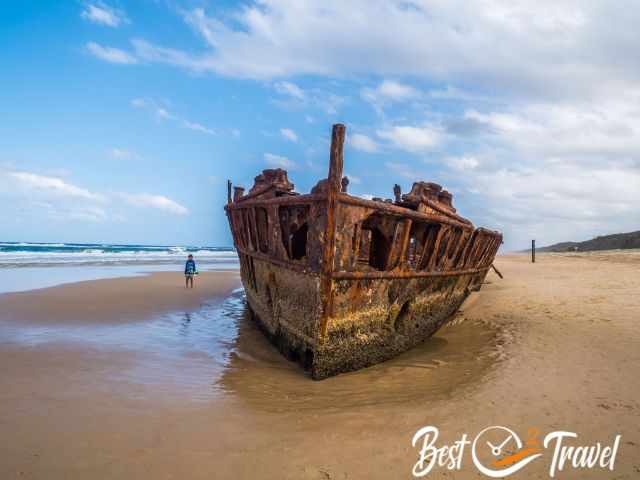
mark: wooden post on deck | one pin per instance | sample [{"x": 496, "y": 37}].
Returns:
[
  {"x": 533, "y": 251},
  {"x": 334, "y": 185},
  {"x": 228, "y": 191}
]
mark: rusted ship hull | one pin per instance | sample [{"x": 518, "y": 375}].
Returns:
[
  {"x": 338, "y": 282},
  {"x": 355, "y": 339}
]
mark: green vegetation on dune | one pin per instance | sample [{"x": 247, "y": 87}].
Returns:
[{"x": 606, "y": 242}]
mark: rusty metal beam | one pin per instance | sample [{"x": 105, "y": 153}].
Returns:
[
  {"x": 246, "y": 221},
  {"x": 402, "y": 258},
  {"x": 334, "y": 185},
  {"x": 396, "y": 210},
  {"x": 462, "y": 261},
  {"x": 461, "y": 243},
  {"x": 254, "y": 226},
  {"x": 301, "y": 200},
  {"x": 256, "y": 193},
  {"x": 433, "y": 259},
  {"x": 357, "y": 237},
  {"x": 427, "y": 247},
  {"x": 401, "y": 211},
  {"x": 434, "y": 205},
  {"x": 451, "y": 249},
  {"x": 489, "y": 254},
  {"x": 392, "y": 253},
  {"x": 290, "y": 264},
  {"x": 473, "y": 250},
  {"x": 404, "y": 274},
  {"x": 287, "y": 232},
  {"x": 496, "y": 270}
]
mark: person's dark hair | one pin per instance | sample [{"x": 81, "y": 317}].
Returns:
[{"x": 190, "y": 256}]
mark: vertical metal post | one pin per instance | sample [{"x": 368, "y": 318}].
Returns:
[
  {"x": 533, "y": 251},
  {"x": 334, "y": 185},
  {"x": 402, "y": 258}
]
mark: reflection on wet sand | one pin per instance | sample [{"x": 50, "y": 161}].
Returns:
[
  {"x": 205, "y": 388},
  {"x": 457, "y": 358},
  {"x": 218, "y": 350}
]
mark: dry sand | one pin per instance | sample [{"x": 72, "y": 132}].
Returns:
[{"x": 554, "y": 346}]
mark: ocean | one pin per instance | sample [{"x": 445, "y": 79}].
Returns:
[
  {"x": 30, "y": 265},
  {"x": 23, "y": 254}
]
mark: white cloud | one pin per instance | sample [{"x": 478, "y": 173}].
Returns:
[
  {"x": 412, "y": 139},
  {"x": 330, "y": 103},
  {"x": 558, "y": 202},
  {"x": 123, "y": 154},
  {"x": 198, "y": 127},
  {"x": 82, "y": 213},
  {"x": 387, "y": 92},
  {"x": 279, "y": 161},
  {"x": 453, "y": 93},
  {"x": 463, "y": 163},
  {"x": 62, "y": 201},
  {"x": 551, "y": 171},
  {"x": 396, "y": 91},
  {"x": 111, "y": 55},
  {"x": 161, "y": 113},
  {"x": 289, "y": 134},
  {"x": 610, "y": 127},
  {"x": 362, "y": 142},
  {"x": 292, "y": 97},
  {"x": 159, "y": 202},
  {"x": 290, "y": 89},
  {"x": 139, "y": 103},
  {"x": 543, "y": 47},
  {"x": 58, "y": 200},
  {"x": 154, "y": 54},
  {"x": 104, "y": 15},
  {"x": 52, "y": 185}
]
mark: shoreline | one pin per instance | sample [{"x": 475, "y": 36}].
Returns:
[{"x": 28, "y": 278}]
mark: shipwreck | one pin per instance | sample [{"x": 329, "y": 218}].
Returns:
[{"x": 339, "y": 282}]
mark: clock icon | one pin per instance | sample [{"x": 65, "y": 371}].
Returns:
[{"x": 498, "y": 451}]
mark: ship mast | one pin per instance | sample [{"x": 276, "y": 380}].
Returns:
[{"x": 334, "y": 186}]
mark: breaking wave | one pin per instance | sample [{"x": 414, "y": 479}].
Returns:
[{"x": 24, "y": 254}]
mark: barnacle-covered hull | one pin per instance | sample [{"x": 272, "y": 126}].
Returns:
[
  {"x": 384, "y": 325},
  {"x": 338, "y": 282}
]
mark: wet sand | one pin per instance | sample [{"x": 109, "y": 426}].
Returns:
[
  {"x": 115, "y": 299},
  {"x": 194, "y": 390}
]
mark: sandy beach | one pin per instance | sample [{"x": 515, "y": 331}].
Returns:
[
  {"x": 116, "y": 299},
  {"x": 138, "y": 378}
]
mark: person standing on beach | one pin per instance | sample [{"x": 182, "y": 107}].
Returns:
[{"x": 190, "y": 271}]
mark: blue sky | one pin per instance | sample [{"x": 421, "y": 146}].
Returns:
[{"x": 121, "y": 121}]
